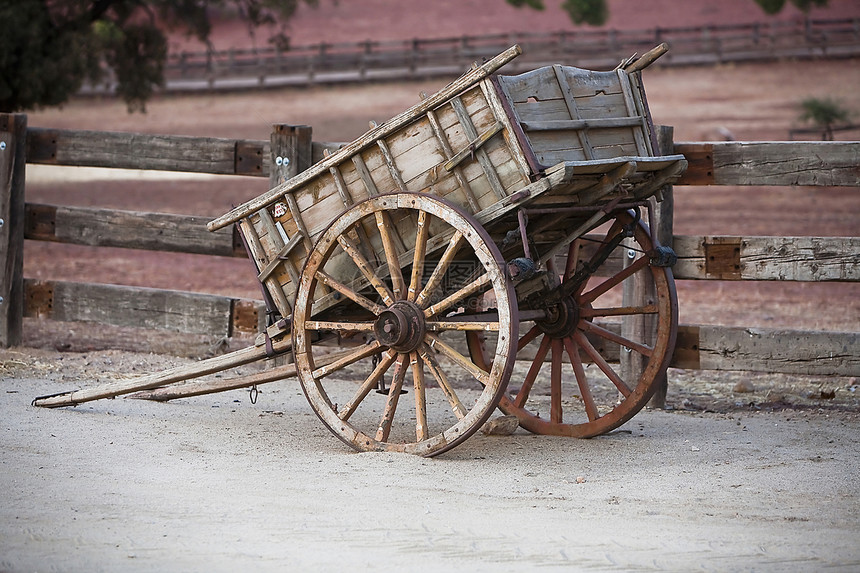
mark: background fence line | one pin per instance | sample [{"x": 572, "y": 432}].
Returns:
[
  {"x": 700, "y": 257},
  {"x": 371, "y": 60}
]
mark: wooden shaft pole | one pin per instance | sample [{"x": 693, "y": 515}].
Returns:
[{"x": 185, "y": 372}]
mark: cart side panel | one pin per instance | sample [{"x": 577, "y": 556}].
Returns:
[
  {"x": 570, "y": 114},
  {"x": 412, "y": 158}
]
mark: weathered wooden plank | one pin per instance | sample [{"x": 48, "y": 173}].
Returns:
[
  {"x": 190, "y": 313},
  {"x": 13, "y": 133},
  {"x": 127, "y": 229},
  {"x": 768, "y": 258},
  {"x": 633, "y": 106},
  {"x": 578, "y": 124},
  {"x": 442, "y": 141},
  {"x": 480, "y": 154},
  {"x": 815, "y": 163},
  {"x": 391, "y": 165},
  {"x": 493, "y": 93},
  {"x": 788, "y": 351},
  {"x": 573, "y": 111},
  {"x": 144, "y": 151},
  {"x": 473, "y": 146},
  {"x": 175, "y": 374}
]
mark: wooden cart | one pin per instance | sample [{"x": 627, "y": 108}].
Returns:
[{"x": 496, "y": 221}]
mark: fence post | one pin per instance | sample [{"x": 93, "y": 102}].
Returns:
[
  {"x": 664, "y": 228},
  {"x": 292, "y": 145},
  {"x": 13, "y": 149},
  {"x": 638, "y": 291}
]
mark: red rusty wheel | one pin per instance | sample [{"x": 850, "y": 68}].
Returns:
[
  {"x": 593, "y": 361},
  {"x": 393, "y": 272}
]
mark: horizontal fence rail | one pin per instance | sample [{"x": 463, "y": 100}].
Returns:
[
  {"x": 595, "y": 49},
  {"x": 803, "y": 259},
  {"x": 155, "y": 309},
  {"x": 700, "y": 257}
]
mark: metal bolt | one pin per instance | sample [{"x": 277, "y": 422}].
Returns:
[
  {"x": 2, "y": 145},
  {"x": 631, "y": 254}
]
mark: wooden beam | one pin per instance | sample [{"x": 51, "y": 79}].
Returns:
[
  {"x": 806, "y": 259},
  {"x": 145, "y": 151},
  {"x": 176, "y": 374},
  {"x": 767, "y": 350},
  {"x": 780, "y": 163},
  {"x": 127, "y": 229},
  {"x": 13, "y": 135},
  {"x": 190, "y": 313}
]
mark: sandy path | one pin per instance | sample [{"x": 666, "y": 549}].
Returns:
[{"x": 217, "y": 484}]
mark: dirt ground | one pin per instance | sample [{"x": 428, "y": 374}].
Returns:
[
  {"x": 218, "y": 484},
  {"x": 723, "y": 481}
]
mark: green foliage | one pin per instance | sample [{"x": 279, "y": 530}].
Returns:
[
  {"x": 49, "y": 48},
  {"x": 591, "y": 12},
  {"x": 805, "y": 5},
  {"x": 824, "y": 113},
  {"x": 774, "y": 6},
  {"x": 771, "y": 6},
  {"x": 596, "y": 12},
  {"x": 534, "y": 4}
]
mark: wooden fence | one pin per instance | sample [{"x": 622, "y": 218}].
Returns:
[
  {"x": 700, "y": 257},
  {"x": 592, "y": 49}
]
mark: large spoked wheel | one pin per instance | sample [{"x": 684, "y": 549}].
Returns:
[
  {"x": 594, "y": 360},
  {"x": 391, "y": 275}
]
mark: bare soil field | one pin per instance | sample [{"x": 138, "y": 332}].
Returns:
[{"x": 723, "y": 481}]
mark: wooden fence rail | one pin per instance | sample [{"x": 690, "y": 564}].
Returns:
[
  {"x": 700, "y": 257},
  {"x": 595, "y": 49}
]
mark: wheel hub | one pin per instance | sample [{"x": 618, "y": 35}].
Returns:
[
  {"x": 561, "y": 319},
  {"x": 400, "y": 326}
]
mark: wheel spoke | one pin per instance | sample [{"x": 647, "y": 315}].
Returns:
[
  {"x": 462, "y": 293},
  {"x": 555, "y": 382},
  {"x": 391, "y": 403},
  {"x": 421, "y": 430},
  {"x": 363, "y": 266},
  {"x": 426, "y": 293},
  {"x": 420, "y": 251},
  {"x": 442, "y": 379},
  {"x": 572, "y": 258},
  {"x": 339, "y": 326},
  {"x": 458, "y": 358},
  {"x": 528, "y": 337},
  {"x": 617, "y": 338},
  {"x": 613, "y": 281},
  {"x": 390, "y": 256},
  {"x": 613, "y": 230},
  {"x": 466, "y": 325},
  {"x": 358, "y": 354},
  {"x": 369, "y": 384},
  {"x": 602, "y": 363},
  {"x": 531, "y": 375},
  {"x": 618, "y": 311},
  {"x": 349, "y": 293},
  {"x": 581, "y": 380}
]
